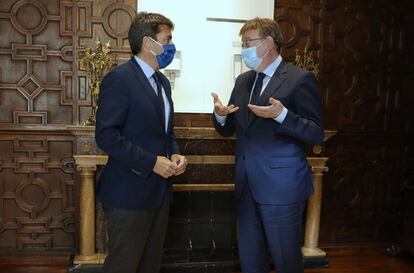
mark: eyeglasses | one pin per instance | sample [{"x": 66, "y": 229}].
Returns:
[{"x": 246, "y": 44}]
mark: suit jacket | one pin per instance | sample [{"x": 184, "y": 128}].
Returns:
[
  {"x": 270, "y": 157},
  {"x": 130, "y": 129}
]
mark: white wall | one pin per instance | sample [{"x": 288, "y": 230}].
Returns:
[{"x": 207, "y": 48}]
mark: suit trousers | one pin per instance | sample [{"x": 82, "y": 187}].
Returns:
[
  {"x": 136, "y": 239},
  {"x": 269, "y": 231}
]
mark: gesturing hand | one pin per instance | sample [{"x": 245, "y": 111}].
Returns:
[
  {"x": 220, "y": 109},
  {"x": 164, "y": 167},
  {"x": 271, "y": 111}
]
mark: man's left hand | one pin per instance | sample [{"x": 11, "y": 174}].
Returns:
[
  {"x": 271, "y": 111},
  {"x": 181, "y": 163}
]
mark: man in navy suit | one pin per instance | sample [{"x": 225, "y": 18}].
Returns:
[
  {"x": 274, "y": 110},
  {"x": 134, "y": 127}
]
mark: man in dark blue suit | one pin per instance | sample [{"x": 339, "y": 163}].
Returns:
[
  {"x": 274, "y": 110},
  {"x": 134, "y": 127}
]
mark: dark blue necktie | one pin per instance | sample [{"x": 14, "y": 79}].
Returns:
[
  {"x": 159, "y": 95},
  {"x": 256, "y": 93},
  {"x": 257, "y": 88}
]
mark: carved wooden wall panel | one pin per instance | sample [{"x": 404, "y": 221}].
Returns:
[
  {"x": 43, "y": 89},
  {"x": 365, "y": 52},
  {"x": 41, "y": 45},
  {"x": 37, "y": 189},
  {"x": 363, "y": 188}
]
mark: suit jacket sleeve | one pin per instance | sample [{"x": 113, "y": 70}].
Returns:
[
  {"x": 175, "y": 149},
  {"x": 303, "y": 122},
  {"x": 111, "y": 115},
  {"x": 228, "y": 128}
]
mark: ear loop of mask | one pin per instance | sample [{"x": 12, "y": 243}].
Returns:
[
  {"x": 267, "y": 51},
  {"x": 157, "y": 44}
]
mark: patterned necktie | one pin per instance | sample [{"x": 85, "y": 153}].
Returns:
[{"x": 159, "y": 95}]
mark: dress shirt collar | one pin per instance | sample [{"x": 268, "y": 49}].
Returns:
[
  {"x": 271, "y": 69},
  {"x": 146, "y": 68}
]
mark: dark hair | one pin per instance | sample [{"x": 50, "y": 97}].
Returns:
[
  {"x": 266, "y": 27},
  {"x": 145, "y": 24}
]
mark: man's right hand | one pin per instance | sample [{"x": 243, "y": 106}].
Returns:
[
  {"x": 164, "y": 167},
  {"x": 220, "y": 109}
]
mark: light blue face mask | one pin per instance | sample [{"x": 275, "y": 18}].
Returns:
[{"x": 250, "y": 58}]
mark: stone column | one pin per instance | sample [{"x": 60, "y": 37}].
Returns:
[
  {"x": 86, "y": 166},
  {"x": 313, "y": 214},
  {"x": 87, "y": 215}
]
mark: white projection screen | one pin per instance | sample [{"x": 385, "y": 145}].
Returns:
[{"x": 208, "y": 45}]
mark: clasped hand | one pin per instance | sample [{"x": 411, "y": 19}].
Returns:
[{"x": 167, "y": 168}]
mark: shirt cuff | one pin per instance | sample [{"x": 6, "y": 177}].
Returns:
[
  {"x": 281, "y": 117},
  {"x": 220, "y": 119}
]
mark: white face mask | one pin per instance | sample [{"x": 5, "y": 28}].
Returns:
[{"x": 250, "y": 58}]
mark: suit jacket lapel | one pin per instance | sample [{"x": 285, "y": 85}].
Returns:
[
  {"x": 272, "y": 87},
  {"x": 245, "y": 96},
  {"x": 274, "y": 84},
  {"x": 146, "y": 86}
]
